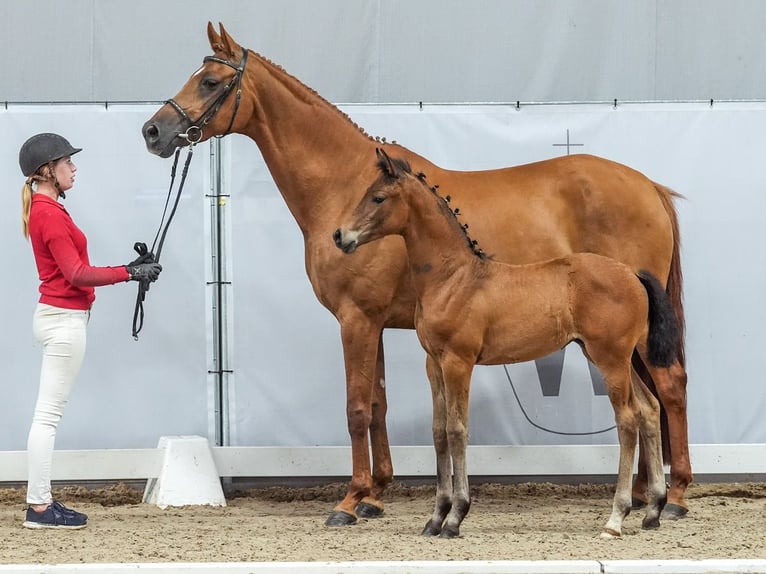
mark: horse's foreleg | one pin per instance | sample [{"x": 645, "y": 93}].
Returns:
[
  {"x": 382, "y": 470},
  {"x": 457, "y": 384},
  {"x": 651, "y": 444},
  {"x": 360, "y": 346},
  {"x": 443, "y": 462},
  {"x": 671, "y": 387}
]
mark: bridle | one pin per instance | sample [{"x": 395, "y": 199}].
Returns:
[{"x": 193, "y": 133}]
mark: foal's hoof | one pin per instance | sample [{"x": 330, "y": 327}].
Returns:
[
  {"x": 448, "y": 532},
  {"x": 340, "y": 518},
  {"x": 674, "y": 511},
  {"x": 431, "y": 529},
  {"x": 650, "y": 523},
  {"x": 367, "y": 510}
]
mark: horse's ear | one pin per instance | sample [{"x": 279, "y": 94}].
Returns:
[
  {"x": 232, "y": 49},
  {"x": 214, "y": 38},
  {"x": 385, "y": 163}
]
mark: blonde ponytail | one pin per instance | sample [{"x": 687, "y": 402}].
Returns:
[
  {"x": 26, "y": 206},
  {"x": 44, "y": 173}
]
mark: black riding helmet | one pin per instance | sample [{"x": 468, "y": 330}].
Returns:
[{"x": 41, "y": 149}]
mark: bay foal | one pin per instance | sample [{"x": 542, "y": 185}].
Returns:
[{"x": 473, "y": 310}]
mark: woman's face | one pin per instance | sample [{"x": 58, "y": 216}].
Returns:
[{"x": 64, "y": 170}]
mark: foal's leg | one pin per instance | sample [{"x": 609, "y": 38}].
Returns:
[
  {"x": 671, "y": 388},
  {"x": 443, "y": 462},
  {"x": 649, "y": 421},
  {"x": 382, "y": 470},
  {"x": 457, "y": 384},
  {"x": 641, "y": 480},
  {"x": 617, "y": 376}
]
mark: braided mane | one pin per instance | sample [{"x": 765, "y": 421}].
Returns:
[
  {"x": 317, "y": 95},
  {"x": 404, "y": 165}
]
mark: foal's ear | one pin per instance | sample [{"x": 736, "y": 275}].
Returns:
[{"x": 385, "y": 163}]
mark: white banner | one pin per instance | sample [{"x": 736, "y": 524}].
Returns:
[{"x": 290, "y": 385}]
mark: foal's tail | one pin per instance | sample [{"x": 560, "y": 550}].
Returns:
[{"x": 664, "y": 332}]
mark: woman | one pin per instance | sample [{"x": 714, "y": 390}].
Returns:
[{"x": 67, "y": 291}]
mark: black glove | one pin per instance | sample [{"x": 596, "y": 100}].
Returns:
[
  {"x": 147, "y": 257},
  {"x": 144, "y": 271}
]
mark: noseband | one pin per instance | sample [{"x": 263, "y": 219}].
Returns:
[{"x": 193, "y": 133}]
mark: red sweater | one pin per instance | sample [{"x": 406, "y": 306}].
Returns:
[{"x": 61, "y": 252}]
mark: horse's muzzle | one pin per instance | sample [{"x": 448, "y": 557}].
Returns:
[{"x": 157, "y": 143}]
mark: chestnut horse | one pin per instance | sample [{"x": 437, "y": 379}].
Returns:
[
  {"x": 319, "y": 160},
  {"x": 472, "y": 310}
]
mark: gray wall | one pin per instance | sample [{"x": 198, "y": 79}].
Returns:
[{"x": 394, "y": 50}]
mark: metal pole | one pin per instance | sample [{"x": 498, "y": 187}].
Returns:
[{"x": 220, "y": 327}]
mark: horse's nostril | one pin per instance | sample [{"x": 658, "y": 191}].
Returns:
[
  {"x": 336, "y": 236},
  {"x": 151, "y": 131}
]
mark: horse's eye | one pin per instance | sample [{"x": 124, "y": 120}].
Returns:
[
  {"x": 210, "y": 83},
  {"x": 379, "y": 199}
]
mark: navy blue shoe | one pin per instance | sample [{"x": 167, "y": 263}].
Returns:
[{"x": 56, "y": 516}]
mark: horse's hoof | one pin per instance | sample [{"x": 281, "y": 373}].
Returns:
[
  {"x": 609, "y": 534},
  {"x": 636, "y": 503},
  {"x": 340, "y": 518},
  {"x": 674, "y": 511},
  {"x": 431, "y": 529},
  {"x": 367, "y": 510}
]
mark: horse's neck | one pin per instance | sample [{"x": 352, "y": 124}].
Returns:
[
  {"x": 311, "y": 148},
  {"x": 436, "y": 246}
]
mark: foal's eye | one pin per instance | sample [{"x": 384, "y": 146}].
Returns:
[{"x": 378, "y": 199}]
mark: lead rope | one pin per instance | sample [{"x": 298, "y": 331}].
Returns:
[{"x": 150, "y": 255}]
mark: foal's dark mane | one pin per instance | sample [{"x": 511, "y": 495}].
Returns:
[{"x": 404, "y": 165}]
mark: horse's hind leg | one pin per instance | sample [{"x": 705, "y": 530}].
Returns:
[
  {"x": 670, "y": 383},
  {"x": 443, "y": 461},
  {"x": 382, "y": 470},
  {"x": 650, "y": 441},
  {"x": 671, "y": 386}
]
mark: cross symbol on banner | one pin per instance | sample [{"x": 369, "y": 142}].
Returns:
[{"x": 568, "y": 144}]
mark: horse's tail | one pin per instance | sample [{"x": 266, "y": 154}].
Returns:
[
  {"x": 674, "y": 287},
  {"x": 662, "y": 341}
]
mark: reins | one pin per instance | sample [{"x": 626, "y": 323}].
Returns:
[
  {"x": 193, "y": 135},
  {"x": 150, "y": 255}
]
